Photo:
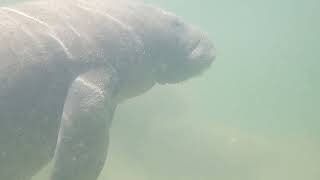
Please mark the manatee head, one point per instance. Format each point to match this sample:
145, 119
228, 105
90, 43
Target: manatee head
174, 50
177, 50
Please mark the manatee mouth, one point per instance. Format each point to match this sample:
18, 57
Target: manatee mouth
202, 52
201, 56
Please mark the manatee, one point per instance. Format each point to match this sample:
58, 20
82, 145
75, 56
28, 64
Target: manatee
65, 66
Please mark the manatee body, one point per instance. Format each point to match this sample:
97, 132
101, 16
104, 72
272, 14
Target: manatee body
66, 65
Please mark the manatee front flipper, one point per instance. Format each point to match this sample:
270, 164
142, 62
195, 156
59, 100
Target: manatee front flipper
83, 139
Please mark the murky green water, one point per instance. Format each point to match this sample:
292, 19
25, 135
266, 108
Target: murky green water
254, 116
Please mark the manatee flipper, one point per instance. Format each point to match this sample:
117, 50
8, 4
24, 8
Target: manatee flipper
83, 138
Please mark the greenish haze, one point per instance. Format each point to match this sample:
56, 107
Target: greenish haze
253, 116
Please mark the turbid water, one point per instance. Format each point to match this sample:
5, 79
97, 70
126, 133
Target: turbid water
253, 116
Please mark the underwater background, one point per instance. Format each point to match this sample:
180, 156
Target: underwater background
255, 115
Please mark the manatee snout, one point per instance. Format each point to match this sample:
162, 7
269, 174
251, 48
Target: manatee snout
197, 55
202, 53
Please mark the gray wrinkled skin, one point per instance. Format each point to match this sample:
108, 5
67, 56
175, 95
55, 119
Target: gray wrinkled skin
64, 67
